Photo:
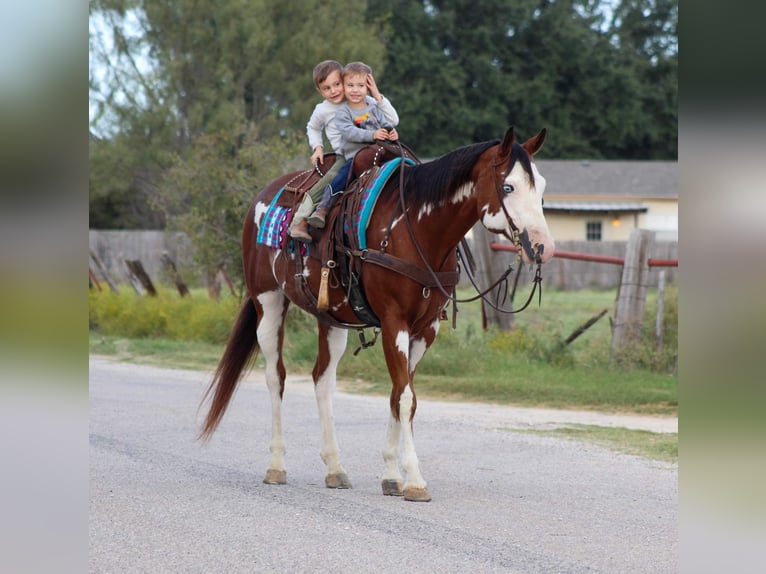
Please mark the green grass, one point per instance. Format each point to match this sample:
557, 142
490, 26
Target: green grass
528, 366
656, 446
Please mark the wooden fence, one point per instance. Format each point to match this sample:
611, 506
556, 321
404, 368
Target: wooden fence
114, 247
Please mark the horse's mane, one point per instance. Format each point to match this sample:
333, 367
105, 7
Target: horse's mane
437, 180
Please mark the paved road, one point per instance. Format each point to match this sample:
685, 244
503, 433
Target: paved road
503, 500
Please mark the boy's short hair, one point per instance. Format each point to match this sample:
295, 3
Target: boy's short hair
356, 68
324, 69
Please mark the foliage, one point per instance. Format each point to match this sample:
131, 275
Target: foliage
193, 318
526, 366
195, 106
164, 74
462, 70
206, 192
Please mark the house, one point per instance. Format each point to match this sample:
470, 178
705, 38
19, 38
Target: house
604, 200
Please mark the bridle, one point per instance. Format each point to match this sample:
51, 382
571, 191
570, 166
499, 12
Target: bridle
519, 239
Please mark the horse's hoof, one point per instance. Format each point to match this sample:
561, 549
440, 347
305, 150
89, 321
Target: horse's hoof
392, 487
275, 477
416, 494
339, 480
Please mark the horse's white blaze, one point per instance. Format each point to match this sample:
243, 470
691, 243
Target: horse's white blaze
268, 340
524, 205
324, 389
463, 192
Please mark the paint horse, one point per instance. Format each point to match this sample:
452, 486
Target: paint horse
418, 228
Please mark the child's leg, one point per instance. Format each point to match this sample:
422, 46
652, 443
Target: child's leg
297, 227
331, 191
318, 188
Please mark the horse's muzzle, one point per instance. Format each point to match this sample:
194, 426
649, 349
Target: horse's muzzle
526, 245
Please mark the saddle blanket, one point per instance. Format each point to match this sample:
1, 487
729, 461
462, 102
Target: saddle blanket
273, 228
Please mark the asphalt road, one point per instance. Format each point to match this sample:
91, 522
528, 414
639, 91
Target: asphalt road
503, 500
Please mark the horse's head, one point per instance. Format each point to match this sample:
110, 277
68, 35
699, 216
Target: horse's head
512, 203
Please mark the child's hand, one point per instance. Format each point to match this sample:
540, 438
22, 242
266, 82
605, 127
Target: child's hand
372, 87
317, 156
381, 134
393, 135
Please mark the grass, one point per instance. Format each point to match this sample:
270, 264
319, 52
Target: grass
529, 366
655, 446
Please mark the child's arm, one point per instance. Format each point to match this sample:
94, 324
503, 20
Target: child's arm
314, 132
384, 104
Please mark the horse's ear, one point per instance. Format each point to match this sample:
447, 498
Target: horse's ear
533, 144
505, 147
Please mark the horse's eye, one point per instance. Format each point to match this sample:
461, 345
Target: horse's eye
508, 188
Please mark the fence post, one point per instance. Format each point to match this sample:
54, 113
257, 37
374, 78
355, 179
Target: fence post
660, 320
631, 299
489, 266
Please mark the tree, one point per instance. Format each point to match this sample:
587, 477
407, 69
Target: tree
207, 191
169, 71
460, 71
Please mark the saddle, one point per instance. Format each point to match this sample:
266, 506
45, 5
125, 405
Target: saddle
303, 181
345, 250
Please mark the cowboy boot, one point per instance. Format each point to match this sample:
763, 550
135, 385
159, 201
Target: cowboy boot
299, 230
317, 219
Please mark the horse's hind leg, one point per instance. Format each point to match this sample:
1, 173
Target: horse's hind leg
332, 344
273, 306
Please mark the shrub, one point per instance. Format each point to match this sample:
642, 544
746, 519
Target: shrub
192, 318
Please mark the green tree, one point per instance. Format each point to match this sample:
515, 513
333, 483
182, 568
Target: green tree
207, 190
462, 70
646, 33
167, 71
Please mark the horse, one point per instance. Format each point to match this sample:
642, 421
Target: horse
407, 279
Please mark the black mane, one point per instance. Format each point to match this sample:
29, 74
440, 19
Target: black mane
437, 180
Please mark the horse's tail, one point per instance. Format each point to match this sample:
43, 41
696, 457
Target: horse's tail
241, 351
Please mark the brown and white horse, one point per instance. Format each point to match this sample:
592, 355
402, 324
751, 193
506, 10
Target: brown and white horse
494, 182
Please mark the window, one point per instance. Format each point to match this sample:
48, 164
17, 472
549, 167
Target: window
593, 231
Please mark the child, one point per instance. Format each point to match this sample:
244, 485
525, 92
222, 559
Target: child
328, 81
360, 122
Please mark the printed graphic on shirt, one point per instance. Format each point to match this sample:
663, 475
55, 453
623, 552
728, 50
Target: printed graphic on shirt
365, 122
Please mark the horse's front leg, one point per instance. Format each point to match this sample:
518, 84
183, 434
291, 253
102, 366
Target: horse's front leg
402, 355
332, 345
273, 306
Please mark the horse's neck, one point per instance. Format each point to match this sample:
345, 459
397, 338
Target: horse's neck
439, 228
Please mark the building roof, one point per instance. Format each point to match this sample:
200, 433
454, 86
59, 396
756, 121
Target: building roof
588, 180
596, 206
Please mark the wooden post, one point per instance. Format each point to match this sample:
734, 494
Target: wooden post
631, 301
489, 266
139, 276
170, 265
104, 272
93, 279
213, 284
222, 271
659, 323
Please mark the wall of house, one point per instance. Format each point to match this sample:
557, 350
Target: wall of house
661, 217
